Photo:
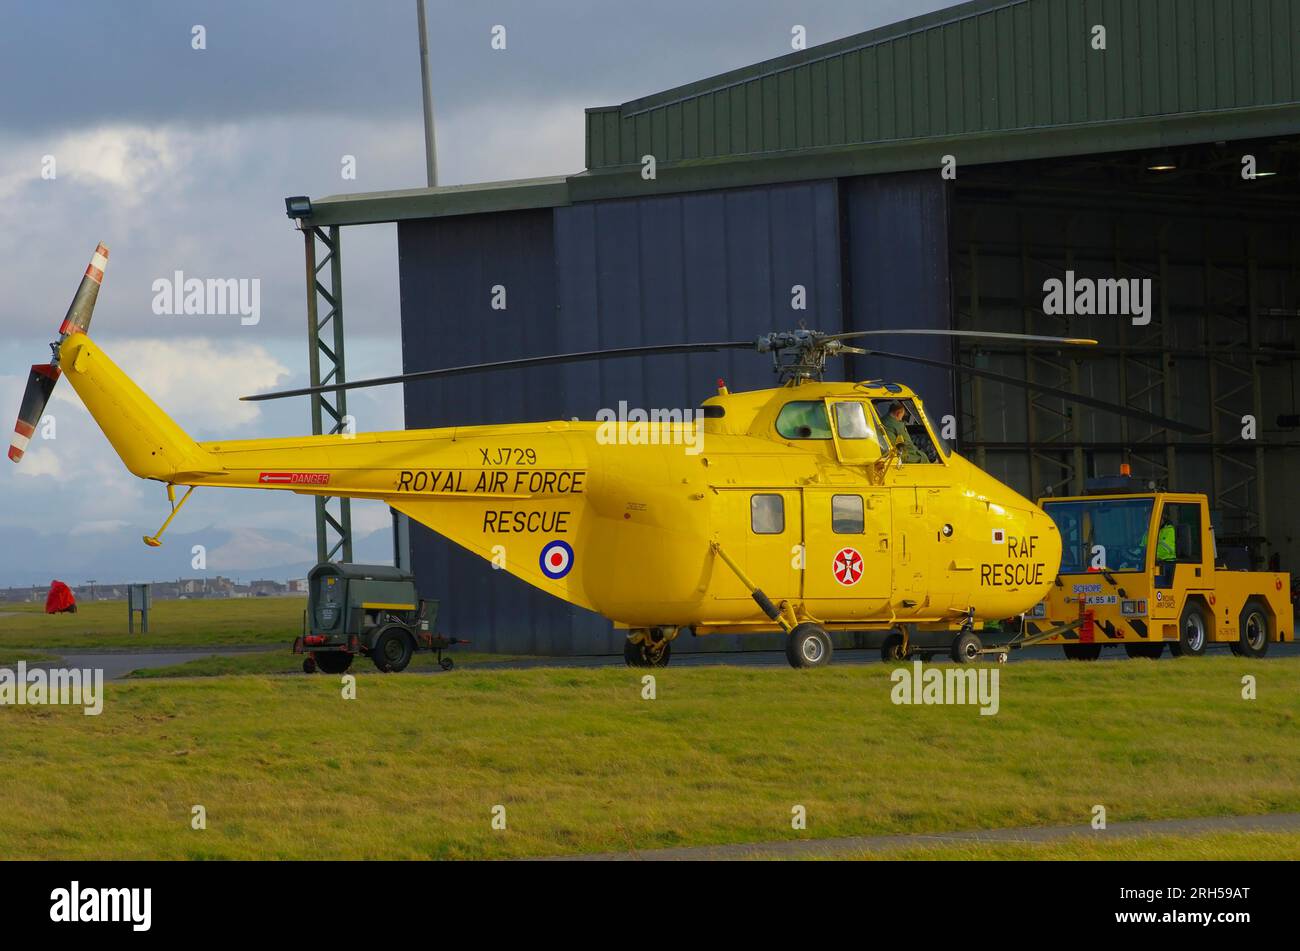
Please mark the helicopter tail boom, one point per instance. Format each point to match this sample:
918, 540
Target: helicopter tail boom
148, 441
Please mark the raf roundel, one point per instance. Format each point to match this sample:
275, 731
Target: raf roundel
556, 560
847, 566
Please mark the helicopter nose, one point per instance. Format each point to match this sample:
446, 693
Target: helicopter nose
1049, 550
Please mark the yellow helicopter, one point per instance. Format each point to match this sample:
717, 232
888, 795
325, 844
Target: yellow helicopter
806, 508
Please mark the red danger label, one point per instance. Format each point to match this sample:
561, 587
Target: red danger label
294, 478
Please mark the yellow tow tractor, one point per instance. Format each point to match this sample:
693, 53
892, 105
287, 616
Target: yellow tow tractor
1141, 569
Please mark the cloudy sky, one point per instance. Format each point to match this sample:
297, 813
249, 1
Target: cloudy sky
179, 159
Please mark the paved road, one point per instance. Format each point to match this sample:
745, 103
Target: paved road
856, 845
777, 658
116, 664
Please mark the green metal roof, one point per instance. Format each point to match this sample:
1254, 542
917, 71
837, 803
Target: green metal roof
981, 67
987, 81
478, 198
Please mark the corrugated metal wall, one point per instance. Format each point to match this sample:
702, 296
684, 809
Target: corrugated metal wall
897, 267
447, 268
980, 67
699, 267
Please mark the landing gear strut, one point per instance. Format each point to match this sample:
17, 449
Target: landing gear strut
648, 647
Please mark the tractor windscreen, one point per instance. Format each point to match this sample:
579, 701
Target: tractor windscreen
1097, 534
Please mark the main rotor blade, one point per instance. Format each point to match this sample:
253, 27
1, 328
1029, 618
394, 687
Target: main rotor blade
1043, 388
519, 364
978, 334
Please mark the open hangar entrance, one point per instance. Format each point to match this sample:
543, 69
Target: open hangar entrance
1222, 253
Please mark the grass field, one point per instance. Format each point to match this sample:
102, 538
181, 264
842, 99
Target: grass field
413, 767
102, 624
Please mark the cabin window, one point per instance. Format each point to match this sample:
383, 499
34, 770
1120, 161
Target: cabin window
847, 517
804, 420
1185, 518
851, 421
767, 514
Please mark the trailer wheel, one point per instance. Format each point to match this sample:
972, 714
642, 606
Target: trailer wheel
1145, 651
966, 648
1081, 651
333, 662
1193, 632
1255, 630
808, 646
891, 652
393, 649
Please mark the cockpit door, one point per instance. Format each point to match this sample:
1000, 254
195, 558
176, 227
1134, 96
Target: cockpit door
853, 427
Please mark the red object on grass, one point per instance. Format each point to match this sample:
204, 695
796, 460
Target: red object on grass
60, 599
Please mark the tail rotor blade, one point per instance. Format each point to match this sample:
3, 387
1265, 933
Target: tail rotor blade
43, 376
40, 384
83, 304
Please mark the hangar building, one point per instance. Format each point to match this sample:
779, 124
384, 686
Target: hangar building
825, 168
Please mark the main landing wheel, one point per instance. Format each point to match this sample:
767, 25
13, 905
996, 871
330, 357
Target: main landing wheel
891, 652
649, 651
966, 648
808, 646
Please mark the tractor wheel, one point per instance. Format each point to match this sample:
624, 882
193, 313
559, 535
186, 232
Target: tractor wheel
966, 648
1255, 630
393, 649
808, 646
1193, 632
1082, 651
1145, 651
309, 664
647, 653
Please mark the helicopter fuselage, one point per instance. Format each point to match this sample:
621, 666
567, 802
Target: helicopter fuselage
670, 524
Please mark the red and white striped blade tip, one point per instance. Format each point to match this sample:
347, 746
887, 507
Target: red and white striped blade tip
98, 261
75, 322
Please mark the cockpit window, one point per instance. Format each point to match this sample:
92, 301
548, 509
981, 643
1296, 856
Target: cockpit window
804, 420
903, 423
851, 421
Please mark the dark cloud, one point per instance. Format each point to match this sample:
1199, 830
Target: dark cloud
78, 63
